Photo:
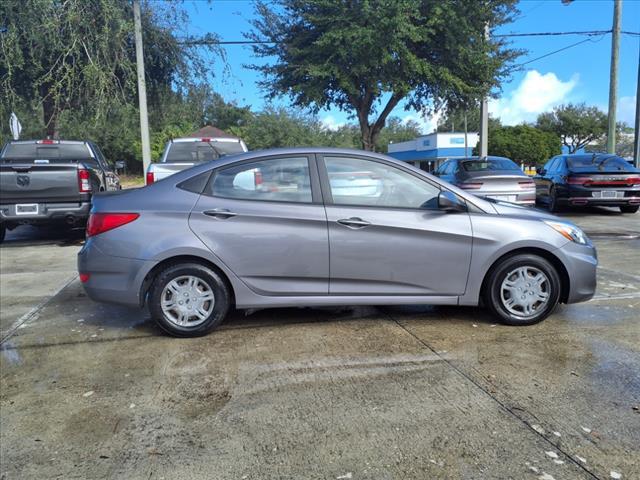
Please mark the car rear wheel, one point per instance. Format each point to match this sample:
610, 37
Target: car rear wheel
629, 208
188, 300
523, 289
553, 200
3, 232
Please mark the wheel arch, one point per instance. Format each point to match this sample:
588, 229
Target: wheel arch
179, 259
565, 281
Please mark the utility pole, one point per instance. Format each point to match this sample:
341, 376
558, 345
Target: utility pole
484, 115
613, 76
636, 141
142, 90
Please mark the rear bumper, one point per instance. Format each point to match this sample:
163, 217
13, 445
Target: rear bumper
519, 197
112, 279
611, 202
47, 212
581, 262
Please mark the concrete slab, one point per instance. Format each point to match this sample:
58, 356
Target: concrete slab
96, 391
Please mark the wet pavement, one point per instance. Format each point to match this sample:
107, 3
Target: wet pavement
96, 391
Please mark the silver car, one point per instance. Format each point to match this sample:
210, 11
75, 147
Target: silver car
497, 178
206, 239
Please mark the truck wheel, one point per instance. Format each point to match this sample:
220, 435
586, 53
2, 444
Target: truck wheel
523, 289
189, 300
629, 208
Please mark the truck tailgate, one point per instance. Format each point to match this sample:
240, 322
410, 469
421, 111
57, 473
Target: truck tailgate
29, 182
164, 170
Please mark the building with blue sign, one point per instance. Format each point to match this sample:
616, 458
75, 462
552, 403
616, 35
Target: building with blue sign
429, 151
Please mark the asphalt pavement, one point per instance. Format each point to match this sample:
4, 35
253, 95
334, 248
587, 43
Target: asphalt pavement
97, 391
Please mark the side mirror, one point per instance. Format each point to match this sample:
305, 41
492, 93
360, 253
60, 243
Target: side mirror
542, 171
449, 202
119, 165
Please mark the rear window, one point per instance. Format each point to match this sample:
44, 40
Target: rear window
35, 151
489, 165
603, 164
195, 152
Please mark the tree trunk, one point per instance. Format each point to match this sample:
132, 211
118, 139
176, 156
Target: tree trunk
368, 142
50, 114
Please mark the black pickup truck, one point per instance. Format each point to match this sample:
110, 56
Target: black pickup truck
51, 181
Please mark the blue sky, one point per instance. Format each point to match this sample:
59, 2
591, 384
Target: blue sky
579, 74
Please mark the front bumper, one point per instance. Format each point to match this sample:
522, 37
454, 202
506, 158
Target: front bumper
112, 279
581, 262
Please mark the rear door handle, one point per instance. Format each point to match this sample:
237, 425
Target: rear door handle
354, 222
221, 213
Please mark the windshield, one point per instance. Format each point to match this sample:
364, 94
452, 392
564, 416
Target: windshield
36, 151
490, 164
604, 164
196, 152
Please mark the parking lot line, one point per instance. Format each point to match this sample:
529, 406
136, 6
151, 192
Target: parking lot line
31, 313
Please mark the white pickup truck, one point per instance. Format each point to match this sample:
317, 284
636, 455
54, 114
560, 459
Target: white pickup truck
182, 153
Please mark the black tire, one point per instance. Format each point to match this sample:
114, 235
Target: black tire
221, 294
553, 200
3, 232
492, 294
629, 208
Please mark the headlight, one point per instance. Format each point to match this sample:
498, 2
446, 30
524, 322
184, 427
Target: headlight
570, 232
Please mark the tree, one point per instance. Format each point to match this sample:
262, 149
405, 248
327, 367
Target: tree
396, 131
577, 125
453, 120
523, 144
367, 56
80, 54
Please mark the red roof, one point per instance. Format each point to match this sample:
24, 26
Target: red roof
211, 132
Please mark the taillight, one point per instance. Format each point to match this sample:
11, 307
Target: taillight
103, 222
150, 178
470, 185
84, 277
84, 180
579, 180
634, 180
257, 177
526, 183
47, 141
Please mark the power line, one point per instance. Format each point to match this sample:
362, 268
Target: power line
193, 41
555, 51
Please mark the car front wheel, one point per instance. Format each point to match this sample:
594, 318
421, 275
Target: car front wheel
188, 300
523, 289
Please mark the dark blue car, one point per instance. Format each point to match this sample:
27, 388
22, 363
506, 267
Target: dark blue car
589, 179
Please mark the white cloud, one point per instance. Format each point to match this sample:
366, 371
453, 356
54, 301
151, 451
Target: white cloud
330, 123
627, 110
427, 124
535, 94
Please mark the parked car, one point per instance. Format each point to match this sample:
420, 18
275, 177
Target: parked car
182, 153
49, 181
195, 244
589, 179
493, 177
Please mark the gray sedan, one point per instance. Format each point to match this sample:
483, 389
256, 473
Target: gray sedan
315, 227
497, 178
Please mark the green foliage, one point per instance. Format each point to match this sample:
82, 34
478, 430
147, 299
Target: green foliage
453, 120
523, 144
80, 55
397, 131
577, 125
366, 56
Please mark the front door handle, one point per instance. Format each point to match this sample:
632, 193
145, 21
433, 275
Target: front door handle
221, 213
354, 222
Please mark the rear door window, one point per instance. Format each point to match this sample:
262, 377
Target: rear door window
278, 180
197, 152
